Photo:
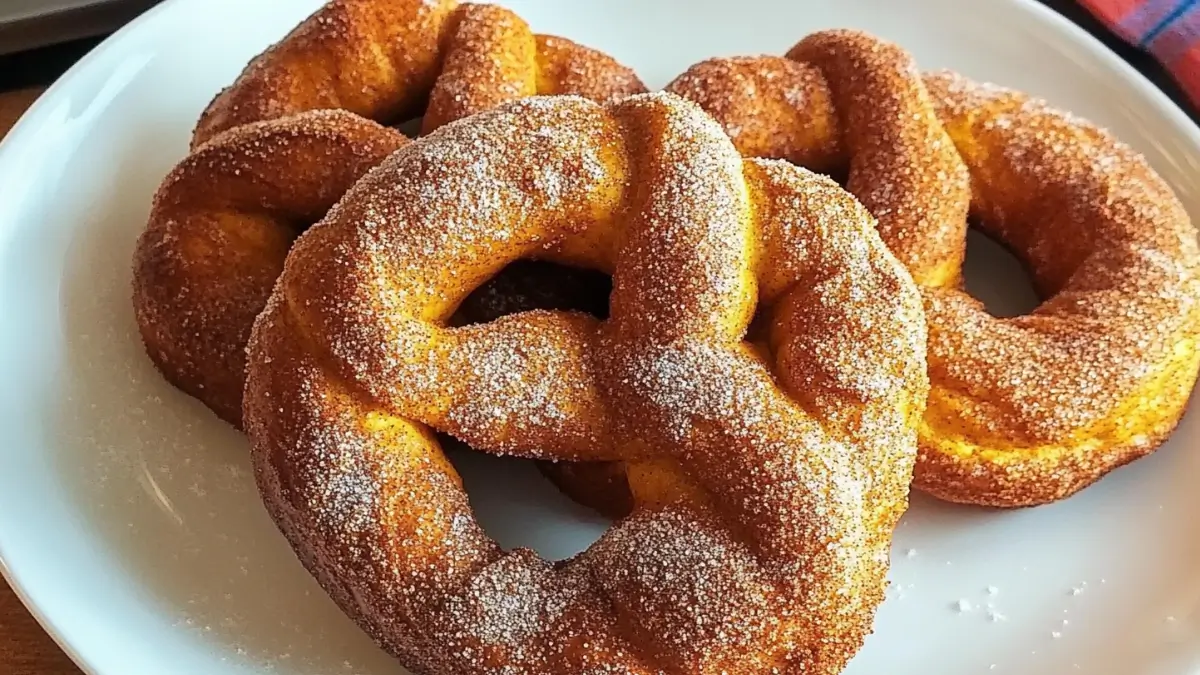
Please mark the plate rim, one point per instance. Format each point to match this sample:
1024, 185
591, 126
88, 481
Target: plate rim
22, 133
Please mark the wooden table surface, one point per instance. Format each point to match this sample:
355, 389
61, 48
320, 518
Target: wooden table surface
25, 649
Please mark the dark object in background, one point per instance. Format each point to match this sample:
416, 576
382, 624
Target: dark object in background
39, 39
29, 24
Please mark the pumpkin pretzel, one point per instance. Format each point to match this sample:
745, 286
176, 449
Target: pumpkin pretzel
767, 479
1022, 410
225, 218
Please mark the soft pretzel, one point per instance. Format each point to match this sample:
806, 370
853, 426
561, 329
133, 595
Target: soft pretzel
1022, 410
393, 60
224, 219
767, 479
220, 227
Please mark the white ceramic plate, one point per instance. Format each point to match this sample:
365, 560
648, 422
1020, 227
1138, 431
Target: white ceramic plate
128, 518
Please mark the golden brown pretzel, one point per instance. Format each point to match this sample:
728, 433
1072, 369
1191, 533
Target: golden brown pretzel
767, 481
220, 227
224, 219
392, 60
1022, 410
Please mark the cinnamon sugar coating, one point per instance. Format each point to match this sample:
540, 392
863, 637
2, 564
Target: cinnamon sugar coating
766, 480
393, 60
222, 224
1022, 410
224, 219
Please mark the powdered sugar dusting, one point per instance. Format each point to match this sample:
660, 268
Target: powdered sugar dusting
774, 547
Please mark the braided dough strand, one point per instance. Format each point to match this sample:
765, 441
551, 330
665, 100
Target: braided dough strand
220, 227
391, 60
225, 218
1023, 410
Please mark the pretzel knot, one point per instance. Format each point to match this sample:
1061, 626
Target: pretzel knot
768, 477
391, 60
1026, 409
275, 150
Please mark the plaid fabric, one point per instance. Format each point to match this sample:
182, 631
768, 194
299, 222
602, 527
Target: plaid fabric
1168, 29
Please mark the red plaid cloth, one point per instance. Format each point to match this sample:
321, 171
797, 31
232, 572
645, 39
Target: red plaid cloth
1168, 29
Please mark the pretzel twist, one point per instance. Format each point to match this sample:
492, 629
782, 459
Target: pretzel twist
1027, 409
767, 479
220, 227
268, 161
392, 60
